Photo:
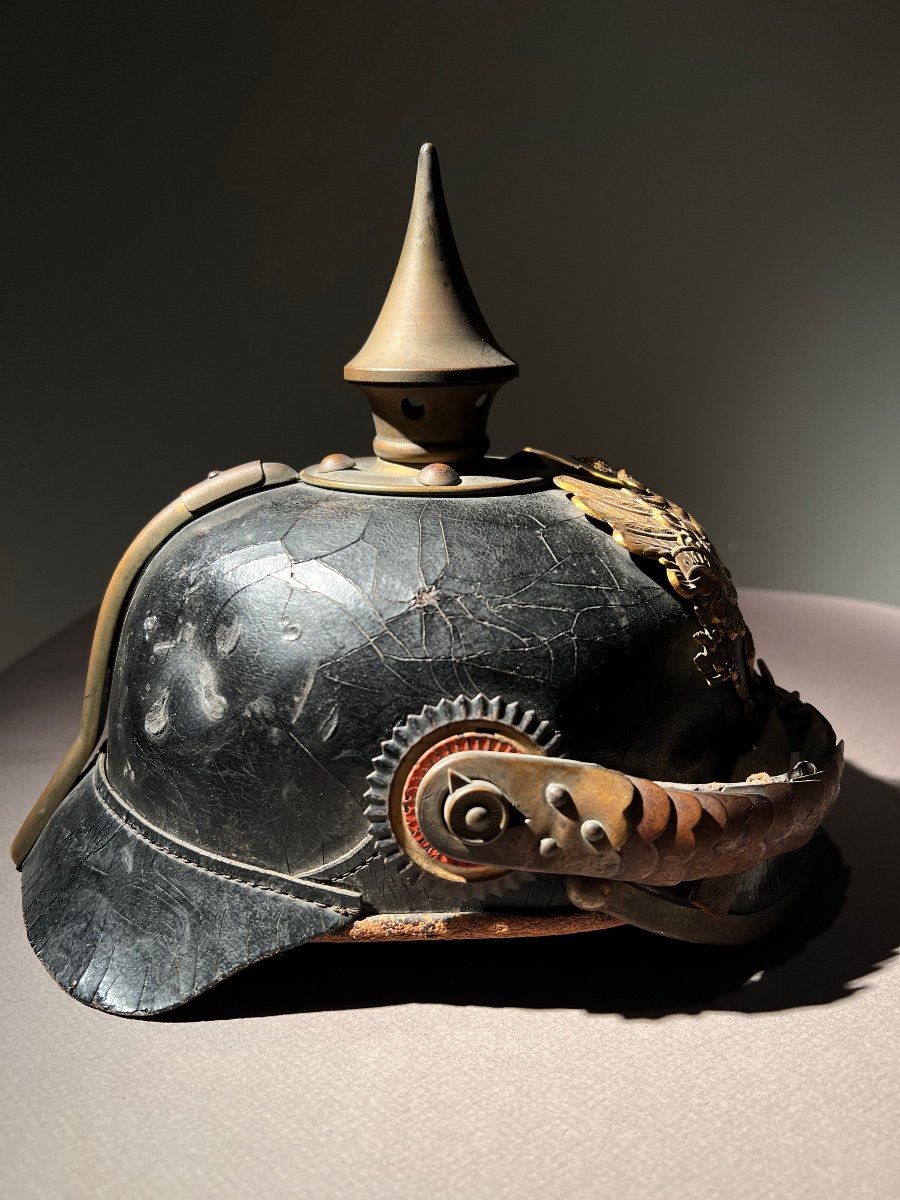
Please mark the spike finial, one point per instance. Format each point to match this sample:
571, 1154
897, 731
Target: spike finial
430, 329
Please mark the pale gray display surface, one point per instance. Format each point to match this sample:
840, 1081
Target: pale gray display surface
601, 1065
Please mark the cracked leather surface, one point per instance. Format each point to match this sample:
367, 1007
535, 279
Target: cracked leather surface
272, 645
128, 928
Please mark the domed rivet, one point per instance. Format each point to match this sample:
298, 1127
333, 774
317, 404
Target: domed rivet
213, 474
477, 819
547, 847
557, 796
336, 462
592, 831
437, 475
476, 813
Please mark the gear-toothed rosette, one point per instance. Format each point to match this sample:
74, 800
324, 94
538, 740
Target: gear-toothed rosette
416, 744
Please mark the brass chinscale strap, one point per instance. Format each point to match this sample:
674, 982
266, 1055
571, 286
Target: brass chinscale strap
579, 818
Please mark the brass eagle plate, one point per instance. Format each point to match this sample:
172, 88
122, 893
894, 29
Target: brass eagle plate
648, 524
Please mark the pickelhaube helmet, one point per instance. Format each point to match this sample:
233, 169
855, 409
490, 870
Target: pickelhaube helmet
427, 693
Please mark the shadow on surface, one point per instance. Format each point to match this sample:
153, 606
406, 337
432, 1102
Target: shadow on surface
841, 935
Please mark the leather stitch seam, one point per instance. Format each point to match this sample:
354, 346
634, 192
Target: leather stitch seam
123, 819
359, 866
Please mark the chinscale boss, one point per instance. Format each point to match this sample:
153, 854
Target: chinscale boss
422, 694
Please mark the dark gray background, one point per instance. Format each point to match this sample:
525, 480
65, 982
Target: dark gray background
681, 218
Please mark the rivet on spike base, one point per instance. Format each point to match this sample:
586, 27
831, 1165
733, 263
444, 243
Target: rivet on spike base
337, 462
438, 475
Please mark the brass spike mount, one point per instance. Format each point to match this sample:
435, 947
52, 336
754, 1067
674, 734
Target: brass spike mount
431, 365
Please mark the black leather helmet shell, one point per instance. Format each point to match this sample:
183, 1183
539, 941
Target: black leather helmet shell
268, 650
